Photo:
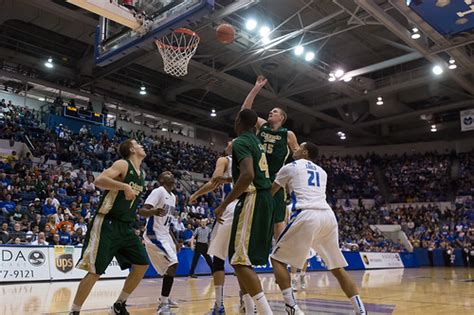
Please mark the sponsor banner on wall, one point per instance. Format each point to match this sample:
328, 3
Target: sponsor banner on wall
381, 260
467, 120
63, 264
21, 263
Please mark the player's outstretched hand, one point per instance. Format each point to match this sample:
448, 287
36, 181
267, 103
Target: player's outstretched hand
261, 81
218, 212
192, 199
129, 192
159, 212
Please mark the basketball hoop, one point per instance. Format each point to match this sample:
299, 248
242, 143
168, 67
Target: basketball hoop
177, 48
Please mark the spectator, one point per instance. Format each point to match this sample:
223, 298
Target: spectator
40, 240
49, 208
64, 236
89, 186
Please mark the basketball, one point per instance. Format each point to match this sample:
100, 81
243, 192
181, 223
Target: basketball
225, 34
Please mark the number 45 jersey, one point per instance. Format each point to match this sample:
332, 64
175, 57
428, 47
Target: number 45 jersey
307, 184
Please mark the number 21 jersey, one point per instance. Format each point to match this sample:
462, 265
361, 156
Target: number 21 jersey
307, 184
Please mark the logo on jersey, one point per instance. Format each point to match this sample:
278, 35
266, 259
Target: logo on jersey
136, 188
268, 137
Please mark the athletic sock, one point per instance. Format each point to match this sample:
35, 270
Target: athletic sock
219, 289
249, 304
262, 304
359, 307
289, 297
164, 299
295, 276
76, 308
302, 273
123, 296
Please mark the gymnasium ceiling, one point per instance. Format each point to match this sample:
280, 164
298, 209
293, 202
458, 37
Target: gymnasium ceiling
371, 39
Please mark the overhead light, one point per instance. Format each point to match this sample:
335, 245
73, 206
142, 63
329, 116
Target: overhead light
251, 24
142, 90
340, 133
437, 70
299, 50
49, 63
347, 79
309, 56
343, 137
164, 129
433, 128
339, 73
41, 99
415, 33
264, 31
213, 113
452, 64
379, 101
332, 77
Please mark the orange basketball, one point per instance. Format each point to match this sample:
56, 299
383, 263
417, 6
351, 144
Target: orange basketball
225, 34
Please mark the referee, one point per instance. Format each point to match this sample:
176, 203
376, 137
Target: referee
201, 237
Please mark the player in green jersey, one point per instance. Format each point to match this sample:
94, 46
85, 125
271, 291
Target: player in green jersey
278, 142
252, 225
110, 232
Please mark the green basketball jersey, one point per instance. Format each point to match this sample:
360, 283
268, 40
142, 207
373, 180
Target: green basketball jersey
275, 143
248, 145
113, 202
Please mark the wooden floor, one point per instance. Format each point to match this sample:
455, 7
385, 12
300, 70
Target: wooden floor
399, 291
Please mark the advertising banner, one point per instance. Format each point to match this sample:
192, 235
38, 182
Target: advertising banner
467, 120
22, 263
381, 260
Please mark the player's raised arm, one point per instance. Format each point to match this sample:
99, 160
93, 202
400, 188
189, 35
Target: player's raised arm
282, 178
108, 179
292, 141
248, 103
221, 166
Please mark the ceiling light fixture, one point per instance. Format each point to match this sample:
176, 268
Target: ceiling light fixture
339, 73
251, 24
415, 33
264, 31
437, 70
49, 64
332, 77
298, 50
379, 101
213, 113
452, 64
309, 56
142, 90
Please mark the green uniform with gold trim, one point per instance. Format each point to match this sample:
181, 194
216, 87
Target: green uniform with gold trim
275, 143
110, 233
252, 227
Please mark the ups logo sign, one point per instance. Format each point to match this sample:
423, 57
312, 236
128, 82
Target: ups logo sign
64, 263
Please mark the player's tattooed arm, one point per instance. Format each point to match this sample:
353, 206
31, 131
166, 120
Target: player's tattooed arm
221, 165
292, 141
246, 177
148, 211
259, 84
111, 179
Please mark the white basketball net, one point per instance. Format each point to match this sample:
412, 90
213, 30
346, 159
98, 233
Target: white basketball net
177, 48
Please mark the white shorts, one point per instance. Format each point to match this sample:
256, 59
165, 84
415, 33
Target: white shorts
162, 253
308, 229
220, 236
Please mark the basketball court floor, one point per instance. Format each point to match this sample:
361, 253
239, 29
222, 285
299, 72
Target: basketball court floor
396, 291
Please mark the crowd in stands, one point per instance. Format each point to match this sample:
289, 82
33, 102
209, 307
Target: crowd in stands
51, 203
418, 177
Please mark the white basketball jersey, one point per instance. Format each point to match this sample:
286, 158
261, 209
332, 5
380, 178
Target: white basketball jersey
155, 225
227, 188
307, 183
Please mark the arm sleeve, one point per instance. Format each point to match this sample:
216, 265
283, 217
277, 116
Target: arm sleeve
154, 198
284, 175
240, 150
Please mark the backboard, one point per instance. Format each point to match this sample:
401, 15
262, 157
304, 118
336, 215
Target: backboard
124, 29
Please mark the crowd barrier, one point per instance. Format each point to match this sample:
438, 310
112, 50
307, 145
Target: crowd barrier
47, 263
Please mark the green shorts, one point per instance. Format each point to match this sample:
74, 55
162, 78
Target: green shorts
107, 238
252, 229
279, 205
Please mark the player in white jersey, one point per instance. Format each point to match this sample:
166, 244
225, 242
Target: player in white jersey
312, 220
160, 243
220, 236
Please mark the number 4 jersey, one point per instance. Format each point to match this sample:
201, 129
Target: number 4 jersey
160, 198
307, 184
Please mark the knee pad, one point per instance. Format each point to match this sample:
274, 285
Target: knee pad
171, 271
217, 264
